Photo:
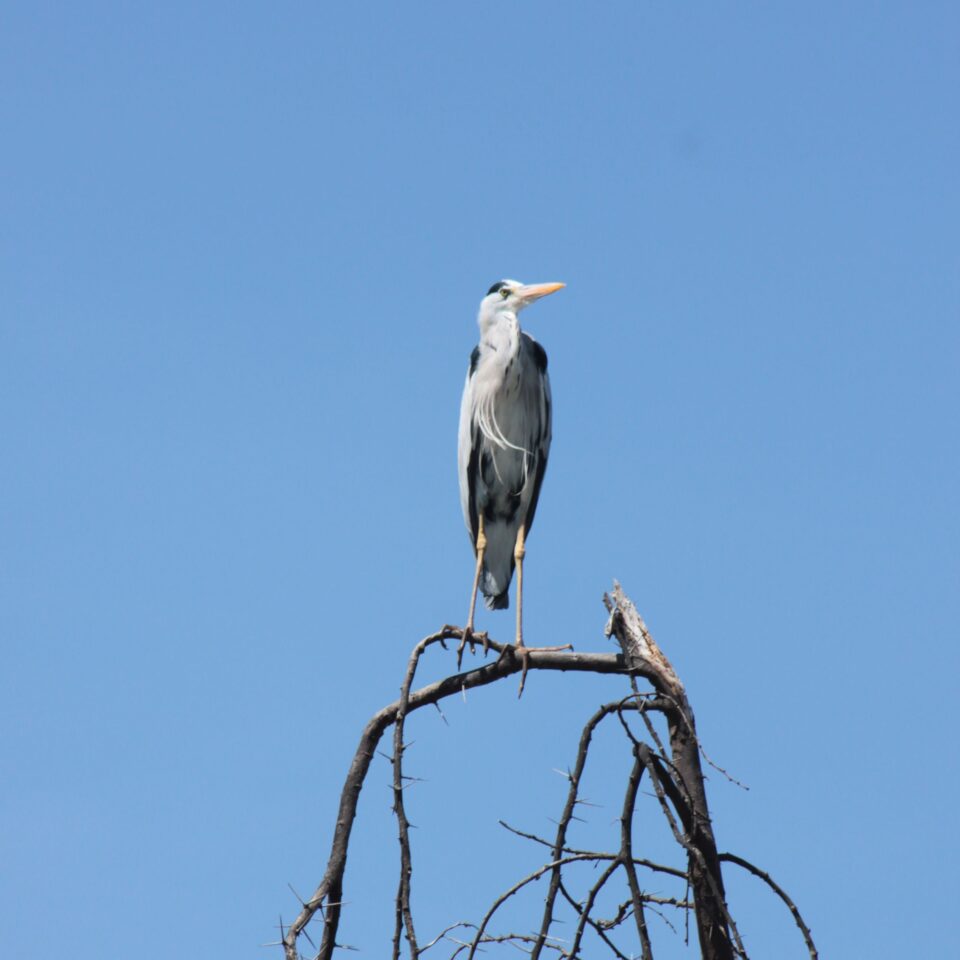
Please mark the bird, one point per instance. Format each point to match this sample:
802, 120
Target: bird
503, 446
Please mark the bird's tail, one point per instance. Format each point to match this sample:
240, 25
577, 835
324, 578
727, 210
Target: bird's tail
495, 581
499, 601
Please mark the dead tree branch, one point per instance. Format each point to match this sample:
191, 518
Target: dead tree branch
671, 764
780, 892
329, 892
626, 857
703, 865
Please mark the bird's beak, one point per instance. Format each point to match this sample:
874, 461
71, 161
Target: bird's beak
534, 291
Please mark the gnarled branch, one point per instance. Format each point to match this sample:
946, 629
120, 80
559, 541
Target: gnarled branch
673, 766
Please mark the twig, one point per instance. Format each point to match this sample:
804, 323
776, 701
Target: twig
564, 822
595, 925
720, 770
404, 915
626, 856
588, 905
442, 935
595, 855
519, 885
780, 892
512, 938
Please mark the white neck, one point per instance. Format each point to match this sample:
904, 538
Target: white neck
500, 333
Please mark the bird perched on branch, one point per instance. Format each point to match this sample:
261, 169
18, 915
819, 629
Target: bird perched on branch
503, 444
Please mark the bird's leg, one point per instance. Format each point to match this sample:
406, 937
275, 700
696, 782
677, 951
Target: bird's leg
519, 552
521, 649
481, 546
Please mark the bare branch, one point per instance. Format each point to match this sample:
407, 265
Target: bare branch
588, 906
404, 915
330, 889
519, 885
780, 892
442, 935
642, 653
596, 855
664, 786
595, 925
626, 856
562, 826
675, 774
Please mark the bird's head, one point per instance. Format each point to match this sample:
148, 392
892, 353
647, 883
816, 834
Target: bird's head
506, 298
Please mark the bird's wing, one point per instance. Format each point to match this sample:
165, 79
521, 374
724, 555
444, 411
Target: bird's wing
543, 434
468, 451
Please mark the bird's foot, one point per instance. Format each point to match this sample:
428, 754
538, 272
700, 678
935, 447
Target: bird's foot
522, 651
523, 654
469, 636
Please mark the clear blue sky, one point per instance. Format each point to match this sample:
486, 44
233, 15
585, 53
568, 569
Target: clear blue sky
242, 250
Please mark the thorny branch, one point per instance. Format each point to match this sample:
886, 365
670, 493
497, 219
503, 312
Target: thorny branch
780, 892
404, 913
626, 857
672, 766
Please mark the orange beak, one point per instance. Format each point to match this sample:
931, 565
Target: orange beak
534, 291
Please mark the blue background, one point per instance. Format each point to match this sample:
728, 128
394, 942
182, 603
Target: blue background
242, 251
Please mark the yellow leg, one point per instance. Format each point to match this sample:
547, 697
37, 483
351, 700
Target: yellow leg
519, 552
520, 649
481, 546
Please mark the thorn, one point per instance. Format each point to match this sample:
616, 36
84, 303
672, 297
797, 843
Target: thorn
303, 902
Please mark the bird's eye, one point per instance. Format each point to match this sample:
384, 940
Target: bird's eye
504, 292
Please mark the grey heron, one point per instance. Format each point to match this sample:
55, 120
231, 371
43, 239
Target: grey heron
503, 445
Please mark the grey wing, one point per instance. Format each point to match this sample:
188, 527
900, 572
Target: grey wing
544, 429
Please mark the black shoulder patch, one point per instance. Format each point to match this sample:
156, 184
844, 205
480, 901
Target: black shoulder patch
538, 353
474, 360
496, 288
